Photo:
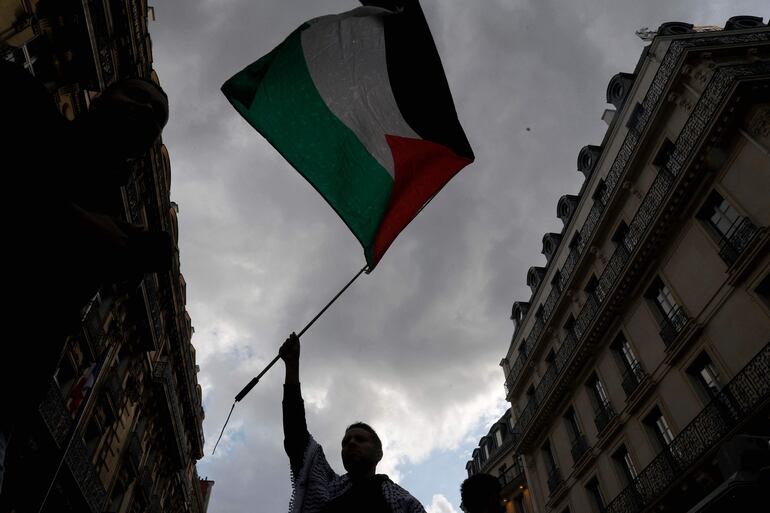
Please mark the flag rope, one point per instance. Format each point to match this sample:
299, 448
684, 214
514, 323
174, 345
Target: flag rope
255, 380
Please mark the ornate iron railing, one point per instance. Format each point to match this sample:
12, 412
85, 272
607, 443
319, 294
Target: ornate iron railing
672, 325
736, 403
551, 300
152, 299
568, 267
59, 423
737, 239
162, 374
632, 377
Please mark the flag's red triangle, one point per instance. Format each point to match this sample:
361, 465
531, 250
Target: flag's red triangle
421, 170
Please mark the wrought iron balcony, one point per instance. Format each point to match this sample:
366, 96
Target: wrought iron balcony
672, 325
730, 408
579, 448
554, 479
162, 375
59, 423
632, 377
604, 414
737, 239
151, 297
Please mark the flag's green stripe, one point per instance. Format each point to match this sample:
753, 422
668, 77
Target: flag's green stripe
288, 111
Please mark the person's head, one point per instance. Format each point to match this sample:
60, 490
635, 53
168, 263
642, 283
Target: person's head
361, 450
128, 116
480, 493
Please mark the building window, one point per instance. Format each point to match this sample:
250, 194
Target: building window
658, 426
601, 403
624, 464
499, 437
554, 476
705, 374
576, 438
595, 496
732, 231
486, 452
671, 316
632, 371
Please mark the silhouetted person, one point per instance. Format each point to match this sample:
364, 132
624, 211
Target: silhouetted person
480, 493
316, 487
63, 234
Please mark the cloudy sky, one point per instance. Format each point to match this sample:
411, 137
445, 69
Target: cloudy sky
413, 348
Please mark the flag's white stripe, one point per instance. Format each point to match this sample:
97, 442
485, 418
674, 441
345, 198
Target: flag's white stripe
345, 55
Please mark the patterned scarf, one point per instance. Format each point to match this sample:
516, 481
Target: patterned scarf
317, 484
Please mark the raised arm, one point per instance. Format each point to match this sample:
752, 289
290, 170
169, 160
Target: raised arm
295, 431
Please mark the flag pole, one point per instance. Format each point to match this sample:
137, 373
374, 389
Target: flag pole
256, 379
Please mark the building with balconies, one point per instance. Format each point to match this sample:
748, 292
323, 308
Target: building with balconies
494, 456
639, 369
120, 428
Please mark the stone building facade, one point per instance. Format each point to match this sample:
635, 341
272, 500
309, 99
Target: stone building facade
639, 369
121, 425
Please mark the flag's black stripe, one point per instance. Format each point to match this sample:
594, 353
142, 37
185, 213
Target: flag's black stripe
418, 81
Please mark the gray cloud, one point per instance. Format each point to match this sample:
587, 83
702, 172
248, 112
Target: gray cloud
413, 348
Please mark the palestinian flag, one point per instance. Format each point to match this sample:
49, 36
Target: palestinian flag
359, 104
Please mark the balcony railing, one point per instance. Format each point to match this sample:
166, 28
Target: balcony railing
554, 479
673, 324
579, 448
737, 239
735, 404
632, 377
162, 374
59, 423
604, 414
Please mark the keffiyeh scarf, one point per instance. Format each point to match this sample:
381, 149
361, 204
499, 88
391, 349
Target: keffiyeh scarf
316, 484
